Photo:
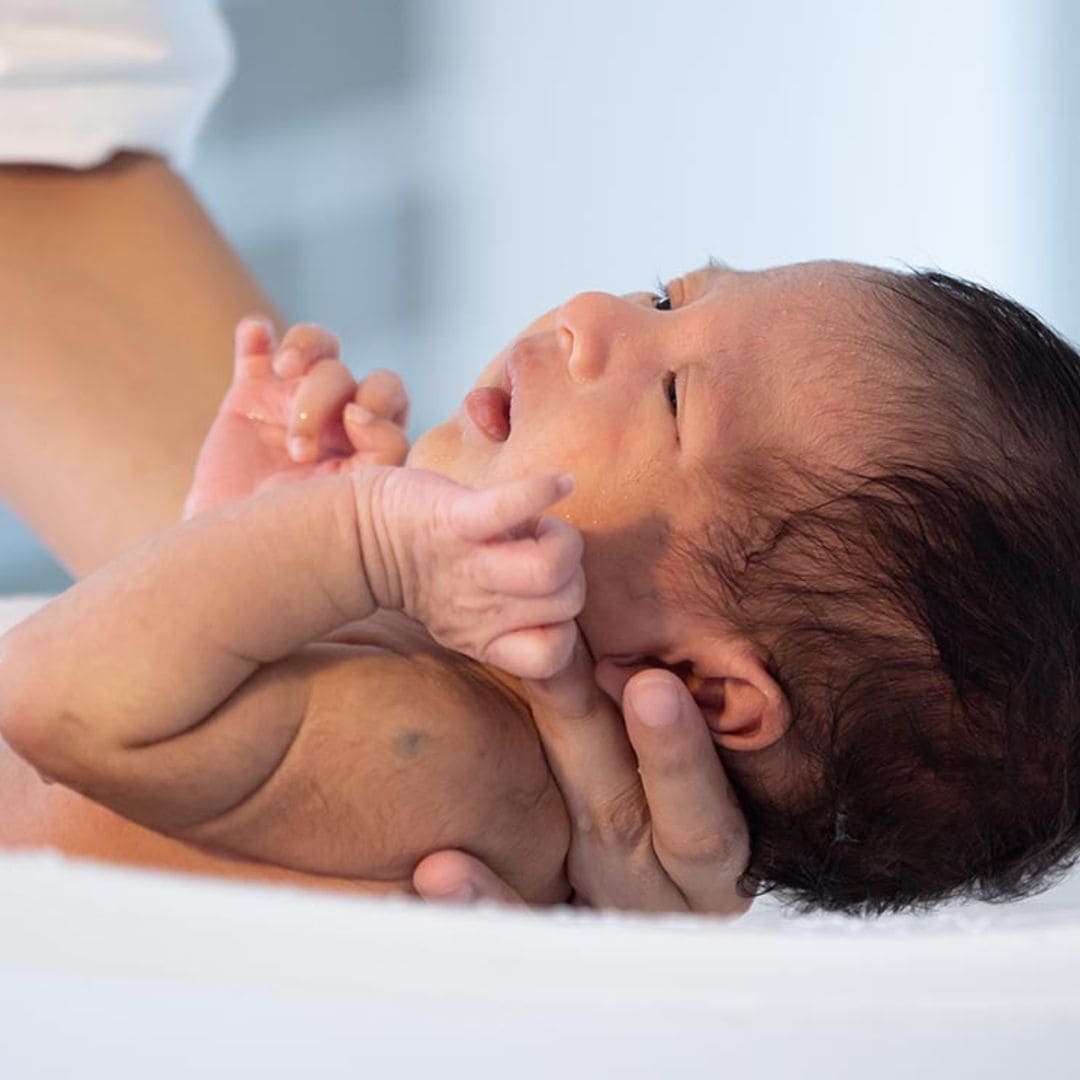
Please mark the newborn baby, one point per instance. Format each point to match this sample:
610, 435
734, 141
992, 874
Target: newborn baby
839, 502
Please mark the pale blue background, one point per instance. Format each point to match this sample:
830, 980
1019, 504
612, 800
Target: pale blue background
424, 178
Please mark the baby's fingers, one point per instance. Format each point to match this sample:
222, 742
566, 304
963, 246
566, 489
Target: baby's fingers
536, 567
501, 510
318, 402
303, 347
254, 346
383, 394
538, 652
376, 441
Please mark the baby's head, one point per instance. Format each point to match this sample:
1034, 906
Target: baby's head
844, 504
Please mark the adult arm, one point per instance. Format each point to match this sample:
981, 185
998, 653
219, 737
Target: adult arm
118, 298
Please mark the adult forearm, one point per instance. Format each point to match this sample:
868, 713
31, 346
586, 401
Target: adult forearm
118, 299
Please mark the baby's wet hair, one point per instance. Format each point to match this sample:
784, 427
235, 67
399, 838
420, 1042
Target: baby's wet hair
922, 615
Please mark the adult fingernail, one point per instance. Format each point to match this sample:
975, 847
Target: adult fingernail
462, 893
357, 414
656, 702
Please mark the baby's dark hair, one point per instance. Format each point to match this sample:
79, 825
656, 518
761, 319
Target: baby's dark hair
923, 618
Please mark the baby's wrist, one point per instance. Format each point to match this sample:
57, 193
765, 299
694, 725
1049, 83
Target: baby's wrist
379, 534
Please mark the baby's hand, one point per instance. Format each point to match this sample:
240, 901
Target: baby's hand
482, 570
295, 413
330, 413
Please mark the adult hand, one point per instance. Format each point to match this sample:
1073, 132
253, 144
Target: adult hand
655, 823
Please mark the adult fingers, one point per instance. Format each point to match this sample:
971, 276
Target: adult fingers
456, 876
699, 833
586, 746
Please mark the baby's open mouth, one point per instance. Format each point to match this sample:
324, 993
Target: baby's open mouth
489, 409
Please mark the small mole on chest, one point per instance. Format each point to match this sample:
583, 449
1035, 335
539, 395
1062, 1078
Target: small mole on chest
410, 743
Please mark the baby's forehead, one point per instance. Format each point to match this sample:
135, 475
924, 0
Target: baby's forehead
817, 273
809, 308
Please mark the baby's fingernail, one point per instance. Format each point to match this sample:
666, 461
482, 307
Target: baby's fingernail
298, 447
243, 328
287, 361
357, 414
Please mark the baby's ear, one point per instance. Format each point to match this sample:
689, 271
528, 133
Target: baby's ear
739, 715
742, 703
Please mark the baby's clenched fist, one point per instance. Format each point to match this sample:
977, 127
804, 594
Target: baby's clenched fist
486, 572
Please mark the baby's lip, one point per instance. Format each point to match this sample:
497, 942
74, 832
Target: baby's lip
508, 382
488, 407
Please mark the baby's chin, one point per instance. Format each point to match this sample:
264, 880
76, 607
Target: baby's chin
434, 450
441, 449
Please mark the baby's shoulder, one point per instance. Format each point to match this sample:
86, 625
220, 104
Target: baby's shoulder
418, 658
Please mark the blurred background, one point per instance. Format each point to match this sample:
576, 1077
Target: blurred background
425, 177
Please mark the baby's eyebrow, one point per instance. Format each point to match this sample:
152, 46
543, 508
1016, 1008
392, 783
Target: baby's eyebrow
715, 268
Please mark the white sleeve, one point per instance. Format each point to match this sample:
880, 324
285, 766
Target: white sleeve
82, 79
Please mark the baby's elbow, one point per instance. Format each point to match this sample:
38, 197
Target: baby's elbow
32, 723
20, 704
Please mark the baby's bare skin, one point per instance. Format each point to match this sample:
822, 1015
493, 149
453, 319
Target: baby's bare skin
259, 644
353, 756
36, 815
108, 475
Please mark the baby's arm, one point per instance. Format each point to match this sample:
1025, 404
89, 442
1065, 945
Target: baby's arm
111, 688
144, 686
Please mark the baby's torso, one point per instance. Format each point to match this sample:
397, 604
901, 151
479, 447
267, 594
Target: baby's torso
34, 814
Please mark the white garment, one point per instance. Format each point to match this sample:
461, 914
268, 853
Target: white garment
82, 79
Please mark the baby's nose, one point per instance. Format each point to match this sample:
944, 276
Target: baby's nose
587, 325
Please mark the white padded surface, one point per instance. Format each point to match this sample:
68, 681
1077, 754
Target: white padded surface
114, 972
